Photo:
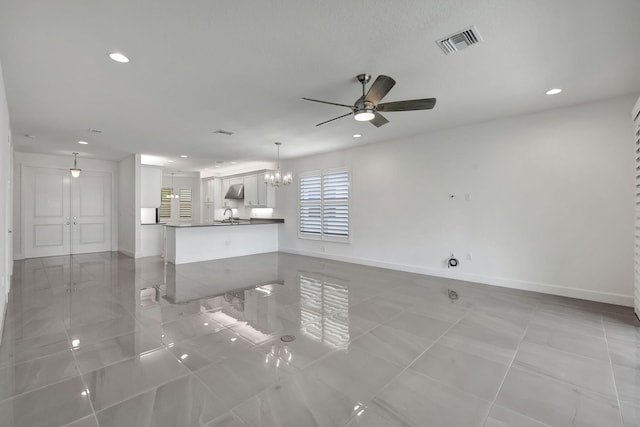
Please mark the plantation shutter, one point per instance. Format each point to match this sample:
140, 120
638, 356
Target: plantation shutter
335, 216
636, 117
311, 205
165, 203
185, 202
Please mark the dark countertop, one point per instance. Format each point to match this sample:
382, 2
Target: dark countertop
252, 221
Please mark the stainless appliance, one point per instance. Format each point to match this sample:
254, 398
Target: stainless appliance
236, 191
148, 215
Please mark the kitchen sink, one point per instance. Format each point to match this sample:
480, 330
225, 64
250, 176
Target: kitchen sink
235, 221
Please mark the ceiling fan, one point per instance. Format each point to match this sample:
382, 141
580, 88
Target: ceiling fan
367, 107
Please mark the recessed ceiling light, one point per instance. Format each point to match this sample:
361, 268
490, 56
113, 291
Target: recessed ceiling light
118, 57
554, 91
217, 166
170, 161
233, 163
184, 156
83, 142
356, 135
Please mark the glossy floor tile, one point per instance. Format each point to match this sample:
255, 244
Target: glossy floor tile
278, 340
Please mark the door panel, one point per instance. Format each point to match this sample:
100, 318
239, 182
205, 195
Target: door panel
91, 233
49, 235
46, 206
63, 215
91, 194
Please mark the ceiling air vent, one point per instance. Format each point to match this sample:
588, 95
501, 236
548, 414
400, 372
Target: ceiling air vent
460, 40
223, 132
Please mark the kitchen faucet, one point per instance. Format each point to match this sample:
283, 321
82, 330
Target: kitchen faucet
230, 216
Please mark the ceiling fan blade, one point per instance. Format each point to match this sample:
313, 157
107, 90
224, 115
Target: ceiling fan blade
336, 118
415, 104
379, 120
327, 102
379, 89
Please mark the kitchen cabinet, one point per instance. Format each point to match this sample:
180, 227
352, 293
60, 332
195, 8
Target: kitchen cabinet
257, 194
208, 213
208, 190
150, 186
251, 190
266, 193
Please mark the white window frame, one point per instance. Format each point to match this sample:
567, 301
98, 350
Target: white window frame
321, 173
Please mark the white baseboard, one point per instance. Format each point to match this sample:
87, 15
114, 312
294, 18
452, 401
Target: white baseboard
544, 288
127, 252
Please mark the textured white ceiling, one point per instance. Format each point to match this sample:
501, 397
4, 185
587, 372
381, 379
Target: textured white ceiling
203, 65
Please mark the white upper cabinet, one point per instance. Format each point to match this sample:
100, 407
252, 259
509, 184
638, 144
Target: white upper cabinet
150, 186
257, 194
208, 190
251, 190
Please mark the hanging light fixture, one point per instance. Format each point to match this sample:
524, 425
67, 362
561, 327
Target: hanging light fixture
75, 170
173, 194
276, 179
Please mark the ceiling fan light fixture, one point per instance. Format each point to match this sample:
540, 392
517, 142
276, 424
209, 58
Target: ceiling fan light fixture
364, 116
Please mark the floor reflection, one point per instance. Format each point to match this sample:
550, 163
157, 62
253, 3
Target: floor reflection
324, 312
281, 339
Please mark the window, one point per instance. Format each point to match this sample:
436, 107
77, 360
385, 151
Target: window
185, 203
165, 203
324, 205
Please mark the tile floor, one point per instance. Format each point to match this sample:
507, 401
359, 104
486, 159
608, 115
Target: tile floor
105, 340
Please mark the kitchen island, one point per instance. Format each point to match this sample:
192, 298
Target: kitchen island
193, 242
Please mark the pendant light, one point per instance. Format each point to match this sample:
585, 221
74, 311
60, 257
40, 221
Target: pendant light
276, 179
172, 195
75, 170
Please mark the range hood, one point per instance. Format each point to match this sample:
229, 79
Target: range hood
236, 191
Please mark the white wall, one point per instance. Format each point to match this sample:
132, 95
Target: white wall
6, 206
551, 202
129, 205
63, 162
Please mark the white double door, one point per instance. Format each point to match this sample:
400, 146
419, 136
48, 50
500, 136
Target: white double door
62, 215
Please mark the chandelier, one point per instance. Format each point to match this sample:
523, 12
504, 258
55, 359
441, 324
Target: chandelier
276, 179
173, 194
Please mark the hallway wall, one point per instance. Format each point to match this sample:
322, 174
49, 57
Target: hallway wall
6, 151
